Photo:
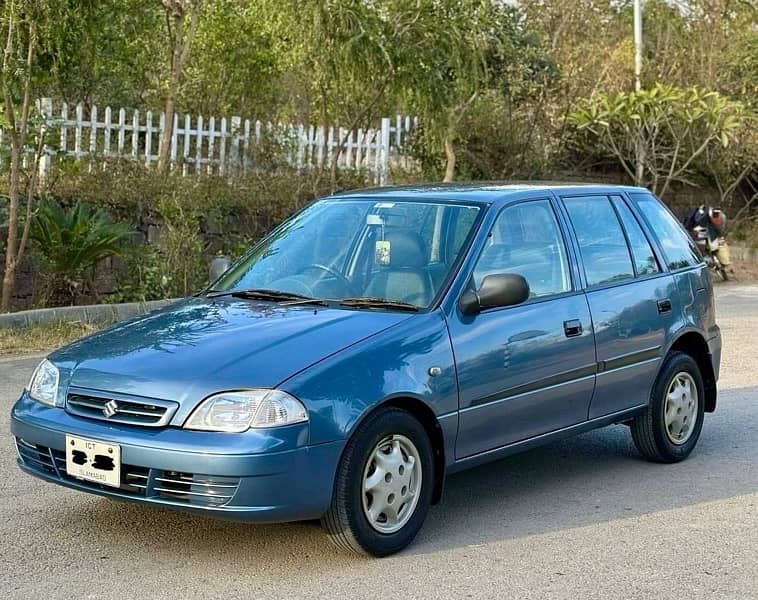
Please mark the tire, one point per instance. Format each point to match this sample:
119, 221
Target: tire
671, 440
347, 522
723, 272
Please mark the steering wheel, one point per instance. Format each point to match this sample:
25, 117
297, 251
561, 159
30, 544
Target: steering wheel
334, 273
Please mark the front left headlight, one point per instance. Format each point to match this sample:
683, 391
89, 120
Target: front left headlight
235, 412
43, 386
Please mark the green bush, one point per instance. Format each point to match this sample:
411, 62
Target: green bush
71, 242
142, 276
182, 222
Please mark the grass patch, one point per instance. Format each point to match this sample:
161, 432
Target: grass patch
38, 338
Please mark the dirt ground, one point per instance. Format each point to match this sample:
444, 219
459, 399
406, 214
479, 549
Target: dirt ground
744, 272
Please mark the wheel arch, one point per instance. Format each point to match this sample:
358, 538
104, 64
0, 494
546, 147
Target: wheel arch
693, 343
424, 414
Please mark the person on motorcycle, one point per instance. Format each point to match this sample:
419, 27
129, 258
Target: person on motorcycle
714, 221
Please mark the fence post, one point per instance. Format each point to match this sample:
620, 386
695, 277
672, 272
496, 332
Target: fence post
384, 165
45, 161
149, 136
236, 125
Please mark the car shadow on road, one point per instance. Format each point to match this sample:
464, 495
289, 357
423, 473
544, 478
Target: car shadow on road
593, 478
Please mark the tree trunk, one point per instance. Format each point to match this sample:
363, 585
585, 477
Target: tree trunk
168, 132
639, 170
449, 161
168, 107
181, 43
9, 275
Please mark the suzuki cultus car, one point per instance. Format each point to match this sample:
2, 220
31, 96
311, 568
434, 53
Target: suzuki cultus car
380, 340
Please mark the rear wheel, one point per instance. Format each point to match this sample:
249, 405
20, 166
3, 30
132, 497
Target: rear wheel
721, 269
383, 486
670, 427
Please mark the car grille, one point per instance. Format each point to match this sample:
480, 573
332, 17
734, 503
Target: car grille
36, 457
147, 412
195, 489
187, 488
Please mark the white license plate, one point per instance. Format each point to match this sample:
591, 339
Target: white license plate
93, 461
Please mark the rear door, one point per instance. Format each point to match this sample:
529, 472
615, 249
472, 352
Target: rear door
630, 298
528, 369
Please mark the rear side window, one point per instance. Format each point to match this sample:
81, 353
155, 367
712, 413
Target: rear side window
678, 248
602, 244
642, 253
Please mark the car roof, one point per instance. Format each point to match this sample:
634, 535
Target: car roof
484, 192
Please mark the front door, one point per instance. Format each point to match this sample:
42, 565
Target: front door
529, 369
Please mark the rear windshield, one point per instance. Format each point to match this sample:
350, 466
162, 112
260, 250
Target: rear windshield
677, 246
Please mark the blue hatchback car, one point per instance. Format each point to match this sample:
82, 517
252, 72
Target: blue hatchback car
376, 342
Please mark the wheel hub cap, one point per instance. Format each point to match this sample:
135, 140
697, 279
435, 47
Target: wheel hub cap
391, 483
681, 408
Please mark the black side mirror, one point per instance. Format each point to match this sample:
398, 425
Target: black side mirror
504, 289
218, 267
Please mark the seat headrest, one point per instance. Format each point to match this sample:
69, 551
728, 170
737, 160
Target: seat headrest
407, 249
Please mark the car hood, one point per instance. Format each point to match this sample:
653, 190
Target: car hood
200, 346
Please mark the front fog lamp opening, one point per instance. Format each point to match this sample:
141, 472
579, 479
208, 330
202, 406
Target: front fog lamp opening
43, 386
235, 412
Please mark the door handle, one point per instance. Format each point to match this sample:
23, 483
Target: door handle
572, 328
664, 306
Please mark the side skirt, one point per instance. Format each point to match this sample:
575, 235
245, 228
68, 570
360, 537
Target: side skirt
540, 440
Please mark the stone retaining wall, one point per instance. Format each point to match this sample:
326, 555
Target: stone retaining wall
98, 314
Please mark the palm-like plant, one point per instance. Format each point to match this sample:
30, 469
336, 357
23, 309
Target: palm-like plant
72, 241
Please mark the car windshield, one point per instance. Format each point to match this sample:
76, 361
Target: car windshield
359, 251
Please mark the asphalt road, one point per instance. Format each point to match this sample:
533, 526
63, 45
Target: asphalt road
583, 518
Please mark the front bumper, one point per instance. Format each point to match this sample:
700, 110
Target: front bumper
222, 475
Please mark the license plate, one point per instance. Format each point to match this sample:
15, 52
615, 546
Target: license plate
95, 461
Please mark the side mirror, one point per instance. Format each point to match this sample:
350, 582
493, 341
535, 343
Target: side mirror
504, 289
218, 267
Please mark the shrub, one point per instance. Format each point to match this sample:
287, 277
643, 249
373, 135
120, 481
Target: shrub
180, 223
71, 242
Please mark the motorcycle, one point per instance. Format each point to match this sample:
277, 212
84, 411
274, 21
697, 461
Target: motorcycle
705, 225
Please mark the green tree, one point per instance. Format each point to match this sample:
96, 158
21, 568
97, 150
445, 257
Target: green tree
107, 54
346, 56
182, 18
451, 68
30, 29
233, 68
672, 127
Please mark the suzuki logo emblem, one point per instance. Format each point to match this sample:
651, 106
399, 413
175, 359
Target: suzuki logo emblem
110, 408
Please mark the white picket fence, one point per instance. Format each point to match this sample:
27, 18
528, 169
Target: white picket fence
218, 145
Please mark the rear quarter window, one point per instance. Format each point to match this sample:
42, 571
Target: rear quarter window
644, 258
678, 249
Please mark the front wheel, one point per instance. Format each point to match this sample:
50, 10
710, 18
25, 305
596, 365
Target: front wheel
383, 486
670, 427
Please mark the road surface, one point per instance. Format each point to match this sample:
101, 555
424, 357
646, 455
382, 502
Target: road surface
583, 518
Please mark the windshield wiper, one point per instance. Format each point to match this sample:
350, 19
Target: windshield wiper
285, 298
367, 302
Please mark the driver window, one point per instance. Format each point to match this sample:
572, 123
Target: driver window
526, 240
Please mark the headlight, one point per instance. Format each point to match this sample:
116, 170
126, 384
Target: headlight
235, 412
43, 386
